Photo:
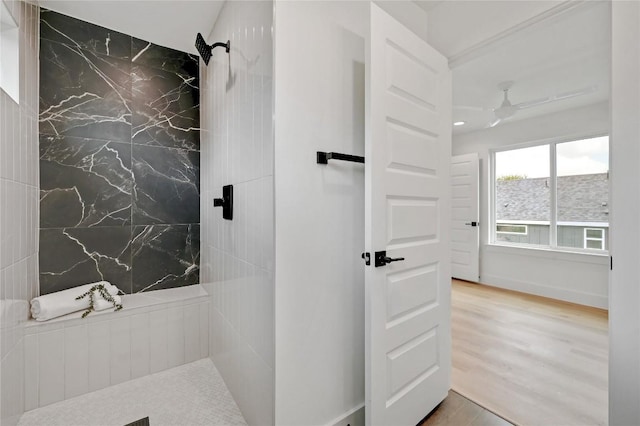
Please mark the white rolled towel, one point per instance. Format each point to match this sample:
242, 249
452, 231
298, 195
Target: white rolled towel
100, 304
64, 302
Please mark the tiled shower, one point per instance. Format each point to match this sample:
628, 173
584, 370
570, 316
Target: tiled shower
134, 143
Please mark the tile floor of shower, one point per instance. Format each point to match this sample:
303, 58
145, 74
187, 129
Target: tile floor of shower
191, 394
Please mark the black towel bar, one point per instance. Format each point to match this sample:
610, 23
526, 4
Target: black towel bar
324, 157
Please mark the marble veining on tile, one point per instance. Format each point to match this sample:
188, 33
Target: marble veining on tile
165, 256
119, 159
84, 182
76, 256
166, 185
159, 57
66, 30
166, 108
83, 93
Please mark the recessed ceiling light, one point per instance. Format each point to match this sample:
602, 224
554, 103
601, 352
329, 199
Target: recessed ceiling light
459, 123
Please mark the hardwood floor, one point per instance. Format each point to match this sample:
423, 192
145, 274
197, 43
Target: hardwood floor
456, 410
532, 360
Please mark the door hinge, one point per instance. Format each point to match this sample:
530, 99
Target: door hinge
367, 258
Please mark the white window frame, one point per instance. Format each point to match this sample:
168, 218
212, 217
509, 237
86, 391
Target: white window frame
553, 223
602, 240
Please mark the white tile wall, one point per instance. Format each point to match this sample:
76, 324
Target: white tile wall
175, 337
120, 350
99, 343
73, 357
191, 335
158, 346
237, 262
140, 345
18, 212
76, 361
50, 367
31, 375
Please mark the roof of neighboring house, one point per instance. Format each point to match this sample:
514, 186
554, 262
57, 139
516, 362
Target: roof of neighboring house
581, 198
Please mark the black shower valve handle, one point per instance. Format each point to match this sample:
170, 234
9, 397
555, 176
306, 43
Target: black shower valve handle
226, 202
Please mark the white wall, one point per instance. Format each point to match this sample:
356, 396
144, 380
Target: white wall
237, 256
319, 68
624, 291
18, 212
578, 278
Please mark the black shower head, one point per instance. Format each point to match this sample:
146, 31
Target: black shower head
205, 50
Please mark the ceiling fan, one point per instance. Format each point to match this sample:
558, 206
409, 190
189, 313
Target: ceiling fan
507, 109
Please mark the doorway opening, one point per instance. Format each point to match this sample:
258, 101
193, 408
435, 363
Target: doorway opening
532, 343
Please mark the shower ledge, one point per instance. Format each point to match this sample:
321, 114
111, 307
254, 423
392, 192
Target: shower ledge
131, 304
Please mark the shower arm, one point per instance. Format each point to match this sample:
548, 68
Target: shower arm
226, 45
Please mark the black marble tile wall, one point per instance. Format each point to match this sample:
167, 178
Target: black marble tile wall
119, 159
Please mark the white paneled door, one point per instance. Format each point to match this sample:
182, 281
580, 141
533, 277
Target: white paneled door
465, 227
407, 191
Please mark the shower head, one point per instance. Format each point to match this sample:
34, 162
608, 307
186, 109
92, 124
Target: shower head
205, 50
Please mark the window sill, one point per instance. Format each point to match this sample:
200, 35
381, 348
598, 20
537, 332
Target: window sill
550, 253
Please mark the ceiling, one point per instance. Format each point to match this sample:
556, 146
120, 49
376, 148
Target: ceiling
170, 23
428, 5
565, 53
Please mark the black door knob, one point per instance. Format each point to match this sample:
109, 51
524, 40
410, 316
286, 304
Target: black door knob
382, 258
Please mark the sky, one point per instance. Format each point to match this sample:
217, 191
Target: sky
585, 156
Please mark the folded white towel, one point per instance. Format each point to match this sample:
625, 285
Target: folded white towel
64, 302
100, 304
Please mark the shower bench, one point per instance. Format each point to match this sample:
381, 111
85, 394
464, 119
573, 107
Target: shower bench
69, 356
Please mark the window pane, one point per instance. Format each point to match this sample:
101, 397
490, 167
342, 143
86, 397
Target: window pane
523, 193
515, 229
594, 244
583, 192
594, 233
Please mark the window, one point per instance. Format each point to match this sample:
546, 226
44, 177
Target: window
553, 194
510, 228
594, 238
9, 60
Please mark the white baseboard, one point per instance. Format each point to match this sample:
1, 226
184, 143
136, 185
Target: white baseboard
577, 297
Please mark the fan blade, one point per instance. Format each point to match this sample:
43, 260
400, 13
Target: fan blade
529, 104
472, 108
558, 97
575, 93
494, 123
